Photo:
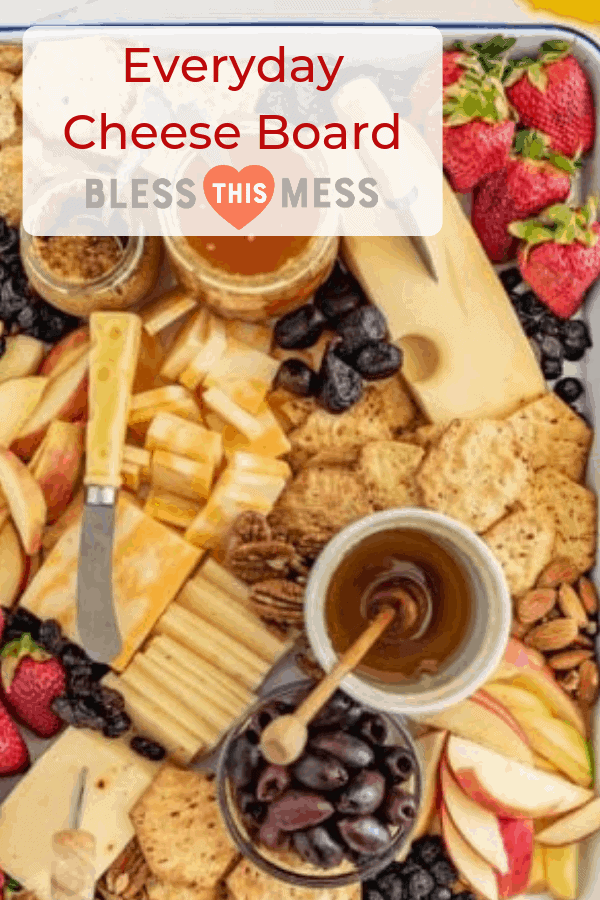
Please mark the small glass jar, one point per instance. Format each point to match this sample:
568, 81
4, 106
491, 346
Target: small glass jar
122, 286
254, 298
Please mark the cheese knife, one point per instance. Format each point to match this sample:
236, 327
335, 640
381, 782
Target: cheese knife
115, 338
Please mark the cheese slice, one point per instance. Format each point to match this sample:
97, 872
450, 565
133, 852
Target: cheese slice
271, 442
242, 421
151, 563
244, 374
188, 342
173, 398
170, 432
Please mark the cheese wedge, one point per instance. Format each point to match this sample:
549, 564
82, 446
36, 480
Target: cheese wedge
178, 435
173, 398
272, 441
190, 338
250, 426
207, 357
166, 310
171, 508
181, 475
244, 374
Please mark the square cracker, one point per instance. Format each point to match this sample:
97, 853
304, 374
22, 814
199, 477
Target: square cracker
179, 828
162, 890
383, 411
474, 473
329, 497
553, 435
11, 184
247, 882
388, 469
522, 543
573, 510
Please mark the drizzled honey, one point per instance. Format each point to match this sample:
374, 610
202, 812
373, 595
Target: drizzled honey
408, 570
248, 255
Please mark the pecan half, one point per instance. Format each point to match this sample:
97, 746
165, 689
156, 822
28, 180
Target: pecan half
279, 600
535, 605
260, 560
571, 681
571, 606
250, 527
588, 595
554, 635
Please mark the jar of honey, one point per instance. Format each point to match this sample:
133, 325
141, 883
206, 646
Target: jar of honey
254, 278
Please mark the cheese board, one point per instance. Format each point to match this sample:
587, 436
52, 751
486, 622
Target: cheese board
184, 646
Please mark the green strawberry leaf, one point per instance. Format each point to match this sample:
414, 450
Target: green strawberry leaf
537, 76
531, 144
495, 47
531, 231
570, 166
13, 653
590, 209
556, 46
560, 214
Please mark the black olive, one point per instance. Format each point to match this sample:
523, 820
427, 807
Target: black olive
243, 761
365, 834
320, 772
317, 846
347, 748
363, 795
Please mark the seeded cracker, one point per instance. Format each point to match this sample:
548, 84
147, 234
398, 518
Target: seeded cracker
474, 473
522, 543
11, 185
553, 435
247, 882
8, 122
11, 58
161, 890
388, 469
179, 828
572, 508
16, 91
327, 497
426, 435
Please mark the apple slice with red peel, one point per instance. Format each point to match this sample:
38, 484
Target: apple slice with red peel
12, 565
471, 867
478, 826
484, 699
510, 788
72, 514
430, 748
518, 838
56, 465
523, 667
64, 354
65, 398
517, 700
25, 500
18, 399
574, 827
22, 357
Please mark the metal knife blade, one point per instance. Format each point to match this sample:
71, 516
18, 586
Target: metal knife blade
96, 619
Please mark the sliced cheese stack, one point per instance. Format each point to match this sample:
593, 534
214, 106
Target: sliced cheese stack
198, 673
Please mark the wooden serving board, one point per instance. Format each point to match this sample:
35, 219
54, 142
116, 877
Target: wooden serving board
39, 805
465, 352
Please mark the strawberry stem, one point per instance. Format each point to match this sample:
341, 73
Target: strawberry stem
560, 223
14, 652
535, 145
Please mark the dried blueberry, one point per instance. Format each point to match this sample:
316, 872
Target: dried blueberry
295, 376
569, 389
340, 386
420, 884
399, 807
273, 781
363, 795
50, 637
399, 763
576, 339
531, 306
21, 621
50, 325
117, 725
374, 729
320, 772
78, 713
551, 347
551, 368
441, 893
243, 761
510, 278
147, 748
549, 325
79, 683
335, 308
444, 872
464, 895
98, 670
71, 655
12, 301
370, 892
298, 810
391, 883
378, 360
317, 846
111, 701
300, 328
347, 748
365, 834
364, 325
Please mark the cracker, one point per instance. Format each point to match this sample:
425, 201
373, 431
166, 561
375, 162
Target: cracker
329, 497
179, 828
572, 508
247, 882
523, 545
553, 435
11, 184
384, 409
11, 58
426, 435
162, 890
388, 469
16, 91
474, 473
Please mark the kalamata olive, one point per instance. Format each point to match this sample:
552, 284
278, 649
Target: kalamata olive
346, 747
297, 810
374, 729
340, 709
253, 812
399, 807
300, 328
365, 834
364, 325
273, 781
244, 759
272, 836
320, 772
363, 795
317, 846
399, 764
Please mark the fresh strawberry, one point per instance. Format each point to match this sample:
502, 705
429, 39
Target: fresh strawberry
553, 95
478, 129
452, 70
533, 178
32, 680
560, 256
14, 756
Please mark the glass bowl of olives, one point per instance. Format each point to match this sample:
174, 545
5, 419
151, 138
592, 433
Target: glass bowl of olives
341, 812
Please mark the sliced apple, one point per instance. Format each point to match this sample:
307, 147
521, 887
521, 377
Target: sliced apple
430, 748
476, 722
64, 354
65, 398
484, 699
545, 764
518, 839
574, 827
22, 357
471, 867
72, 514
562, 870
25, 500
57, 463
510, 788
537, 875
517, 699
478, 826
523, 667
18, 399
12, 565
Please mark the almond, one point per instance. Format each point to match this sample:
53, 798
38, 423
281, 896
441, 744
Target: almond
559, 571
535, 605
518, 630
570, 659
571, 606
555, 635
588, 595
588, 682
571, 681
582, 640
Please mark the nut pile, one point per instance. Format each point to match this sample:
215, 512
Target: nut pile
127, 876
559, 618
